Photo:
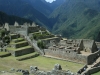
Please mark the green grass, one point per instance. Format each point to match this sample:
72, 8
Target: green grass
19, 39
11, 73
27, 55
2, 53
42, 63
98, 73
18, 42
10, 48
13, 34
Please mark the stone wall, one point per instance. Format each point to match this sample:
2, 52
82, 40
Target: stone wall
19, 45
46, 41
89, 45
24, 51
65, 54
92, 70
71, 55
32, 29
94, 56
14, 36
21, 52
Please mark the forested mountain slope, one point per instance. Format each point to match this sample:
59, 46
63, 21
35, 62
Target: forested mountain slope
23, 9
76, 19
4, 18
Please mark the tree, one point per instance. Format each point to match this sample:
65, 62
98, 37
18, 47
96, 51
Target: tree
41, 44
6, 39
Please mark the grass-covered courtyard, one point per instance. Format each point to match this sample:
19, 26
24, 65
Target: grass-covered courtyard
42, 63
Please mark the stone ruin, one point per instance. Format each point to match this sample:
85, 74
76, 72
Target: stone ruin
57, 70
16, 24
76, 50
6, 26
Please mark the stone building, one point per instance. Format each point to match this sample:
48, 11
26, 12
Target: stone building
24, 29
89, 45
76, 50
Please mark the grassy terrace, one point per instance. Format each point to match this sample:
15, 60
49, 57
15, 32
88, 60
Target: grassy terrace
10, 48
42, 63
19, 39
12, 34
27, 55
18, 42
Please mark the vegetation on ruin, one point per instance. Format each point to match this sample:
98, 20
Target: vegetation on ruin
2, 33
41, 35
41, 44
6, 39
4, 36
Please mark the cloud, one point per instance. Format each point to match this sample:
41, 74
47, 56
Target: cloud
50, 1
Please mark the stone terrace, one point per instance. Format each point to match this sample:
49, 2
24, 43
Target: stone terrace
19, 46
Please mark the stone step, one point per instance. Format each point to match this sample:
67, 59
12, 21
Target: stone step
27, 56
14, 36
18, 40
4, 54
20, 51
19, 44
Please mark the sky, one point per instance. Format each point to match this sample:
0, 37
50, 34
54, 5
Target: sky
50, 1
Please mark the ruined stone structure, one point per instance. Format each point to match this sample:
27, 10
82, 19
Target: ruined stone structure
24, 29
19, 46
76, 50
90, 45
57, 70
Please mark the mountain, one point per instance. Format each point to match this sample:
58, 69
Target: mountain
40, 6
4, 18
77, 19
43, 6
54, 4
23, 9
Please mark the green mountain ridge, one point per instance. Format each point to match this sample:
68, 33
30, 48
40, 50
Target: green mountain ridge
4, 18
25, 10
76, 20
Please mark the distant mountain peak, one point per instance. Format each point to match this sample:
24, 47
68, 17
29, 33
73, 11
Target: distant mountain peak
50, 1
